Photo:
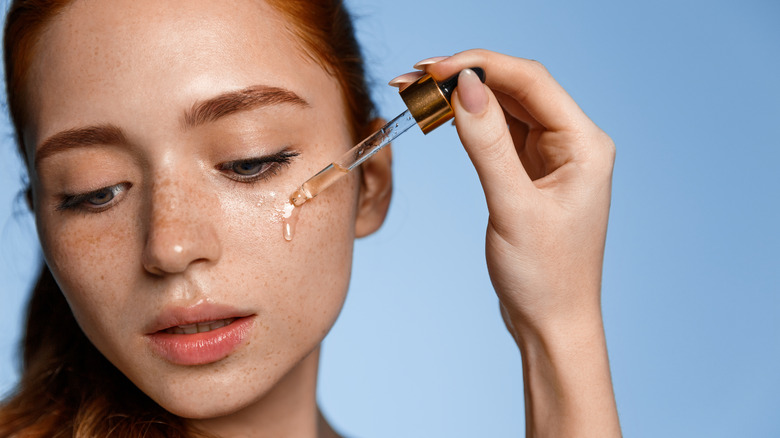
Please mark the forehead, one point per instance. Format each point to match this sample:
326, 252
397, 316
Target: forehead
102, 59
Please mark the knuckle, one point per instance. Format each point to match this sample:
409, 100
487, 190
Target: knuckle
538, 68
608, 145
604, 150
598, 152
477, 51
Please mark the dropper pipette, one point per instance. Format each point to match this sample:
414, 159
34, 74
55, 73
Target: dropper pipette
428, 103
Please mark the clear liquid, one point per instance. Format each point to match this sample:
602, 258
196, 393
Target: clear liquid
316, 184
289, 220
308, 190
336, 170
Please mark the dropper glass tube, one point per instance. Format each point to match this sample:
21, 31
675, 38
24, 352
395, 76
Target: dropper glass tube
428, 103
353, 158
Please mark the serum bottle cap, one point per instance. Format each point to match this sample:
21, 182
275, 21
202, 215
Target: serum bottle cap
429, 100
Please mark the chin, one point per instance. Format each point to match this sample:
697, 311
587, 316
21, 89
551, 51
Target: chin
198, 401
228, 387
204, 409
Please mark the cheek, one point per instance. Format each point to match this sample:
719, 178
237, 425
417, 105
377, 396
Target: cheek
89, 258
324, 237
306, 278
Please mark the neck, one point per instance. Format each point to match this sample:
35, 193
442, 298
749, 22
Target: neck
289, 409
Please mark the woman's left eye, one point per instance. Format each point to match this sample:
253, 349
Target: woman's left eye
253, 169
250, 168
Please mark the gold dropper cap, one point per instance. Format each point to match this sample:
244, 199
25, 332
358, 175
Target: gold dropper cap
429, 100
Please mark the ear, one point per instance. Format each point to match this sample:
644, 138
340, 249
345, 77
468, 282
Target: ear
376, 188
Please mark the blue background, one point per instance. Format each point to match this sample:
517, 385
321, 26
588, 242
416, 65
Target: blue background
689, 92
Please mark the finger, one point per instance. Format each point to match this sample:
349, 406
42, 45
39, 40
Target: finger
532, 158
429, 61
525, 141
405, 79
526, 81
518, 129
521, 126
538, 159
515, 110
484, 133
561, 128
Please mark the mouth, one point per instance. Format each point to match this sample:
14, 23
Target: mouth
200, 327
199, 335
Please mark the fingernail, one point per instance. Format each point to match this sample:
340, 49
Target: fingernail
404, 78
429, 61
471, 92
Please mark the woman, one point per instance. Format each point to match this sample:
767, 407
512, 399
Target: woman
163, 140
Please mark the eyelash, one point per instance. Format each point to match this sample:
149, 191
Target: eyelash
275, 162
79, 201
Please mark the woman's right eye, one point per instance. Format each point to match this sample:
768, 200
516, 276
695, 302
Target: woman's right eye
101, 198
95, 201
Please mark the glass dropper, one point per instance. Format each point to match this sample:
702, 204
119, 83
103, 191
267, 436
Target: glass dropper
428, 103
353, 158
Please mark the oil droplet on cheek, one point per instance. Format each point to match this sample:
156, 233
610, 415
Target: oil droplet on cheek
289, 220
292, 209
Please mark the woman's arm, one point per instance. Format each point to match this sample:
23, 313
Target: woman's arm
546, 171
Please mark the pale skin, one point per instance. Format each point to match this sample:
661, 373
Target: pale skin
180, 227
546, 170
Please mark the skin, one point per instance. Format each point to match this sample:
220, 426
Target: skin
184, 232
181, 230
546, 170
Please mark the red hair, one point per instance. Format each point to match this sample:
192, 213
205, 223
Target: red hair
68, 388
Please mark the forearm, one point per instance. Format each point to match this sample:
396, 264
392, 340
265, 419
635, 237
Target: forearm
567, 383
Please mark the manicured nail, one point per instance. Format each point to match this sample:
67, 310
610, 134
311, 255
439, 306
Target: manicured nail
471, 92
405, 78
429, 61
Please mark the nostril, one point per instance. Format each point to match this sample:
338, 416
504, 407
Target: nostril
152, 269
178, 234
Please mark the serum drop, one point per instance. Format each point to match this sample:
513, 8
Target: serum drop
289, 220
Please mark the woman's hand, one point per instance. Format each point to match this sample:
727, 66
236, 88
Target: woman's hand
546, 171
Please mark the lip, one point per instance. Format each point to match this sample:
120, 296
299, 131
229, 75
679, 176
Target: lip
198, 348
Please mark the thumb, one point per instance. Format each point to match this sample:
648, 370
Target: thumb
483, 130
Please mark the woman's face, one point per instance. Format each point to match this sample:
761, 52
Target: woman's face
167, 138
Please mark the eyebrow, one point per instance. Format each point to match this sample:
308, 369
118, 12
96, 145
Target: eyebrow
242, 100
72, 138
202, 112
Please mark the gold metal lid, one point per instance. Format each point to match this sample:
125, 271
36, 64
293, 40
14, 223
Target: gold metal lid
429, 100
427, 103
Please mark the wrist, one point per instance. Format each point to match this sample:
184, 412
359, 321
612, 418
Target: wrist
572, 318
567, 380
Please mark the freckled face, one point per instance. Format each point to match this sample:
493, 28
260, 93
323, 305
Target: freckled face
155, 211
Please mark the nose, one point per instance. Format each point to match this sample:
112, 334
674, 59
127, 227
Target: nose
180, 228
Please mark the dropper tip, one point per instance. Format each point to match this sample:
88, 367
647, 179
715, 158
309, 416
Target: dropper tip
299, 197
